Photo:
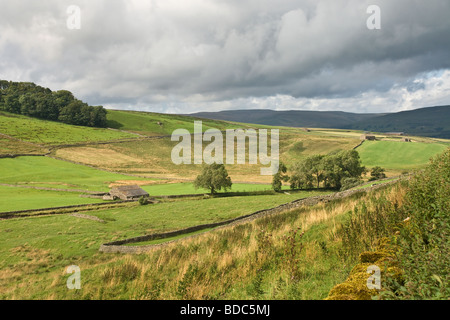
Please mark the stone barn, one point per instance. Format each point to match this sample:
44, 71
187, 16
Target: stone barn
128, 192
368, 137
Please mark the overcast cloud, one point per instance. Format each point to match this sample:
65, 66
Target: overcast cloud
209, 55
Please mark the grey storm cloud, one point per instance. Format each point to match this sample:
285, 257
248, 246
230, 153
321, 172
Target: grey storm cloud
200, 54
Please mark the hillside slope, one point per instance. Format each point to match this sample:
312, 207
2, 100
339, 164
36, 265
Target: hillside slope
151, 124
429, 122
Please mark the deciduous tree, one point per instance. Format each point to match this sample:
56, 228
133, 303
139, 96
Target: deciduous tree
214, 177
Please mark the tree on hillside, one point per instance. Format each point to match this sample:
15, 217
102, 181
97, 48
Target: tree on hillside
279, 177
214, 177
313, 166
330, 169
344, 164
300, 178
308, 172
377, 173
11, 103
32, 100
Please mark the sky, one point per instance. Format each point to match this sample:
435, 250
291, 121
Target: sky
188, 56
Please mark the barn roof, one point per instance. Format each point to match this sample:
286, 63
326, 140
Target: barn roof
130, 190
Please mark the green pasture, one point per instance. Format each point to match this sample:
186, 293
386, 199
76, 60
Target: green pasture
54, 133
52, 173
398, 155
161, 124
188, 188
68, 239
16, 198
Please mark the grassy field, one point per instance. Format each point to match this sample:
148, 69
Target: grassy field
13, 146
250, 260
36, 248
14, 198
152, 124
48, 172
239, 262
54, 133
398, 155
152, 158
188, 188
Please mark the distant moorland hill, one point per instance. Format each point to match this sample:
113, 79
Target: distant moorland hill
313, 119
430, 122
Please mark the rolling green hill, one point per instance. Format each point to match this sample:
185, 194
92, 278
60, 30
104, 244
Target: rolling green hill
48, 132
148, 123
52, 173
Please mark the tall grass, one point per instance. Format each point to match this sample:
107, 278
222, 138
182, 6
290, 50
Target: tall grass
372, 220
414, 218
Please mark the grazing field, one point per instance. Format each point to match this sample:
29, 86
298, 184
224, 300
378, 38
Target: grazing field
14, 198
188, 188
152, 158
51, 173
267, 258
37, 249
244, 261
398, 155
54, 133
152, 124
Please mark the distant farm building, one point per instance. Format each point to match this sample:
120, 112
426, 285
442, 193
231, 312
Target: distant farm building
129, 192
395, 133
368, 137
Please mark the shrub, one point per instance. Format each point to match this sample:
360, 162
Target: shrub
377, 173
143, 201
348, 183
424, 239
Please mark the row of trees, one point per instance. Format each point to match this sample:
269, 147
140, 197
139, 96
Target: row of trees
35, 101
340, 170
